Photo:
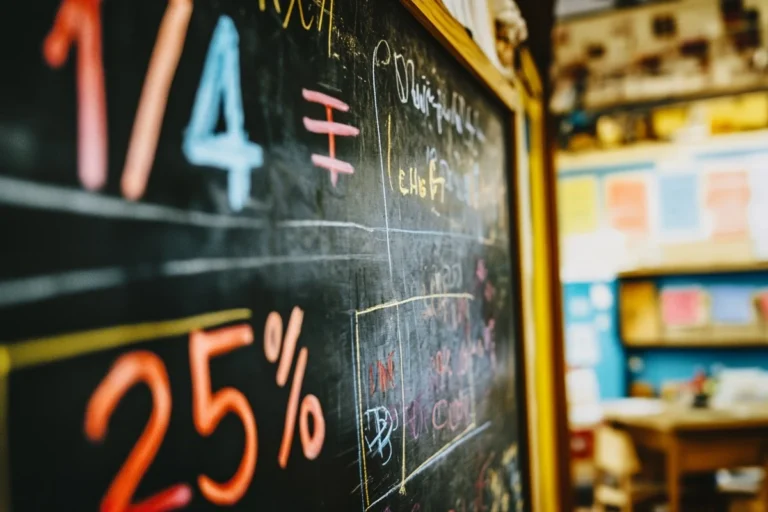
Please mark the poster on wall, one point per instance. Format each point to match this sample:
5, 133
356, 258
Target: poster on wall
626, 203
758, 207
727, 200
683, 306
679, 206
577, 203
732, 304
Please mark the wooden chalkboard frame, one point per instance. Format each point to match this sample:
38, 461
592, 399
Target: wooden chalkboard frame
546, 369
453, 36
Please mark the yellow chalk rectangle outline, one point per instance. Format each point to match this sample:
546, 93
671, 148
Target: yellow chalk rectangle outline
394, 303
5, 470
388, 305
39, 351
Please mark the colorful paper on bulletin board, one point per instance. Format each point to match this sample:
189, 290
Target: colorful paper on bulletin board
638, 311
762, 305
682, 307
581, 347
731, 305
626, 201
759, 208
577, 205
728, 195
679, 203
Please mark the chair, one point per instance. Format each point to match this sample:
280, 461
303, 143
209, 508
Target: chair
742, 489
617, 467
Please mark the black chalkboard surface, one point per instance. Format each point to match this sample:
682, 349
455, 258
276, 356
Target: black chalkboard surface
255, 255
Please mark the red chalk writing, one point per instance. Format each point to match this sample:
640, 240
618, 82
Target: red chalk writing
386, 374
210, 406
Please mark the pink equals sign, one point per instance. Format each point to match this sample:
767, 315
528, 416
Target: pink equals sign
332, 128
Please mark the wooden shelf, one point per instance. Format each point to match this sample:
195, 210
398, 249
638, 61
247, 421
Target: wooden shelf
663, 100
711, 344
676, 270
678, 345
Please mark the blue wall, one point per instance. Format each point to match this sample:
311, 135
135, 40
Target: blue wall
672, 364
607, 356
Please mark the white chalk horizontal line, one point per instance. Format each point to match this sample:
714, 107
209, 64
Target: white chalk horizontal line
39, 196
26, 290
324, 224
26, 194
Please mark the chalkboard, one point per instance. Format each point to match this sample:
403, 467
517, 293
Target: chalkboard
255, 255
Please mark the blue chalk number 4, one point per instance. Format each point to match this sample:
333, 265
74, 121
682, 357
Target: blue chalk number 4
229, 150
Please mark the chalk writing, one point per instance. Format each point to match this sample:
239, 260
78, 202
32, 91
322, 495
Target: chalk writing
431, 181
441, 362
449, 108
386, 374
208, 408
154, 96
334, 165
453, 414
454, 313
511, 462
488, 491
306, 24
482, 271
383, 427
311, 443
462, 184
425, 417
414, 184
431, 318
129, 370
80, 21
230, 150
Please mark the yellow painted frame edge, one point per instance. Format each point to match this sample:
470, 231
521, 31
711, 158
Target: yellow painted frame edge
543, 373
5, 468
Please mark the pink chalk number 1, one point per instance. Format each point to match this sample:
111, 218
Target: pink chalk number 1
80, 21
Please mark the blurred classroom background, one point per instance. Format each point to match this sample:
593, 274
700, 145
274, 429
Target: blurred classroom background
661, 114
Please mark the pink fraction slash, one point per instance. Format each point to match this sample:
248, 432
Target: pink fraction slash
331, 128
154, 98
80, 20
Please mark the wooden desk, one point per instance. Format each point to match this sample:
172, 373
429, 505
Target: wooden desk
699, 440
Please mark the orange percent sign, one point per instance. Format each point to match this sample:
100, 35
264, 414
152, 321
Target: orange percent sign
311, 443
